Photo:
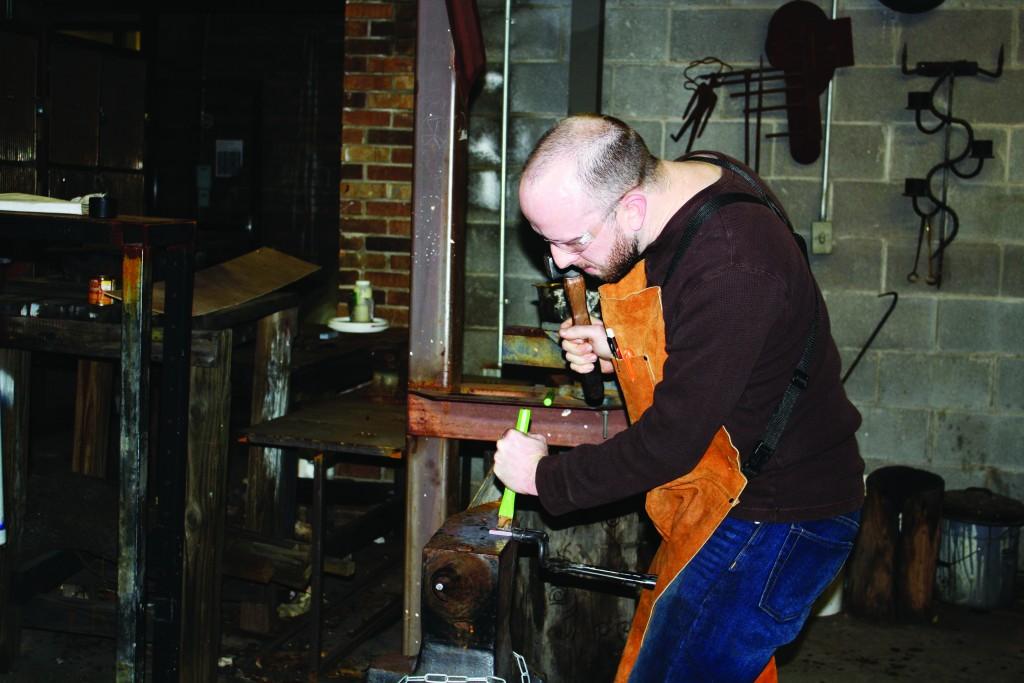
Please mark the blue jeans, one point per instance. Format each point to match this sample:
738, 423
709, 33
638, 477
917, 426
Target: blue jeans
747, 592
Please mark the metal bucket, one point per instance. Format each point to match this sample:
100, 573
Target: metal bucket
979, 548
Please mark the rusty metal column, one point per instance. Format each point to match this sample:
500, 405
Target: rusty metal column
435, 327
136, 318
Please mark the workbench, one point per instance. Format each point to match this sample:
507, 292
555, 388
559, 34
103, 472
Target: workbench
140, 241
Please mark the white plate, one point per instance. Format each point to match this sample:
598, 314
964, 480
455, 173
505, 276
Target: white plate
345, 324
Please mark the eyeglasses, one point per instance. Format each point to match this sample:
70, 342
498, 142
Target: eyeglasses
579, 244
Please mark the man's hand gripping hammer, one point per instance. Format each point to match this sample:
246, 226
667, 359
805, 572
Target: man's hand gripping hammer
576, 294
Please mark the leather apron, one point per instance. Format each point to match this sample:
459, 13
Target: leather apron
685, 511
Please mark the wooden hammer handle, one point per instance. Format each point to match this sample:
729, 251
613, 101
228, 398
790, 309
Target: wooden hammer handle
576, 294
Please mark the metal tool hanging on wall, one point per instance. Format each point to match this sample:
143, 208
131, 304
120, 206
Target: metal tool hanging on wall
934, 211
804, 48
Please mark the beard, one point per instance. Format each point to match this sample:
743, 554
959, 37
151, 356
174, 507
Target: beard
624, 255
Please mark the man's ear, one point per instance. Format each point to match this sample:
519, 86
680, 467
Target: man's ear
633, 209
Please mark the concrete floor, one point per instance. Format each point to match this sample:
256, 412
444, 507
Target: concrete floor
958, 645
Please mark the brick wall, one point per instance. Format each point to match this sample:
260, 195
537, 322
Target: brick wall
943, 386
376, 173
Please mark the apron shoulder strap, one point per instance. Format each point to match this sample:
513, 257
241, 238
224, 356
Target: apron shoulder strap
697, 219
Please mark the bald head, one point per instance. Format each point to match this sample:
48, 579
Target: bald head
608, 157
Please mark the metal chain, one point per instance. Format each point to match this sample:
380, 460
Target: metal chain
524, 676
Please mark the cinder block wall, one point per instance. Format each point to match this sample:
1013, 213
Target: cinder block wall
943, 386
376, 171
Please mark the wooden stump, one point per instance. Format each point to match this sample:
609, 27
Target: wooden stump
892, 568
575, 630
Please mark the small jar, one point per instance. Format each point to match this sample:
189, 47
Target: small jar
361, 308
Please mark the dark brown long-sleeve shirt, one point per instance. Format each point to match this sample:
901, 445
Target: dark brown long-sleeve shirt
737, 312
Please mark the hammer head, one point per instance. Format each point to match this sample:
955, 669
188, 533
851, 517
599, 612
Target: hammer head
556, 273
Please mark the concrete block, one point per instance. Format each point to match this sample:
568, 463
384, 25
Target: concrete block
524, 252
855, 314
523, 134
479, 349
481, 300
914, 154
539, 88
862, 384
972, 34
855, 263
857, 152
988, 211
535, 33
481, 252
968, 267
484, 142
876, 35
698, 33
647, 91
975, 98
800, 199
725, 137
894, 435
1016, 155
652, 132
871, 209
636, 34
1013, 271
869, 94
981, 326
521, 301
966, 439
1010, 384
484, 196
487, 98
935, 381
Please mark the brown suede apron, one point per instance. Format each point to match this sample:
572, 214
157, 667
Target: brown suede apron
685, 511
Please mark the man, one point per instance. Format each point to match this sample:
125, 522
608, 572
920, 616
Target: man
717, 319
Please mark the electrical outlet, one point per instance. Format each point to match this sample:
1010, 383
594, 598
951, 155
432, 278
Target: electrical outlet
821, 237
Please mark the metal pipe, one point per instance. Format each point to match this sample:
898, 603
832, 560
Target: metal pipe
828, 138
503, 184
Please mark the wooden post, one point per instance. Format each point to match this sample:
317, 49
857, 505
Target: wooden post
205, 493
14, 419
892, 568
131, 557
270, 384
93, 394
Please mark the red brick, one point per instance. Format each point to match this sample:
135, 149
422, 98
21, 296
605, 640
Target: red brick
366, 10
357, 190
397, 316
402, 120
375, 226
347, 277
351, 208
355, 64
370, 82
390, 65
353, 136
404, 82
365, 153
354, 172
397, 297
352, 470
383, 278
400, 262
369, 46
399, 227
389, 100
390, 137
364, 117
353, 243
357, 29
400, 191
383, 29
355, 100
388, 209
400, 155
389, 173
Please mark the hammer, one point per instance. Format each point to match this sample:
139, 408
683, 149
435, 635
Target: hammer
576, 294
